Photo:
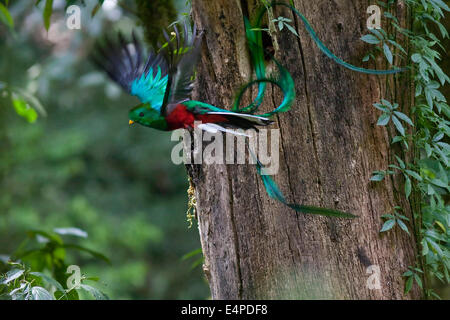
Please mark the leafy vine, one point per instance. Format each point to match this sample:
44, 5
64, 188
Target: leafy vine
425, 131
427, 172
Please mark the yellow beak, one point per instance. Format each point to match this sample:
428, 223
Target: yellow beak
130, 122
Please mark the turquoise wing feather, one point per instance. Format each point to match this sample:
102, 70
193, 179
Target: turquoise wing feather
122, 61
150, 88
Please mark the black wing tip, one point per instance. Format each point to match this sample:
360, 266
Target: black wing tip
112, 53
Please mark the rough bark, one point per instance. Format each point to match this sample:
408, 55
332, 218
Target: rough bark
330, 144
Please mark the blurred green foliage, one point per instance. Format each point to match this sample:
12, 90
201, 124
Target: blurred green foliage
83, 166
153, 14
37, 270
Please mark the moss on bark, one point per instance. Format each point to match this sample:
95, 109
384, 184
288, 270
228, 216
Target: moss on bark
155, 15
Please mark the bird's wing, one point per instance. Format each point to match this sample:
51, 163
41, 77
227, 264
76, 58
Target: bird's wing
182, 53
123, 62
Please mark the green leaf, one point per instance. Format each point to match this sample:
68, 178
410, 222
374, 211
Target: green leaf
387, 103
414, 174
397, 139
425, 249
388, 53
404, 117
12, 275
441, 4
388, 225
390, 16
48, 10
191, 254
377, 177
93, 279
5, 16
403, 226
400, 162
196, 263
434, 294
398, 125
370, 38
32, 100
71, 231
418, 280
381, 107
407, 187
39, 293
19, 292
442, 155
96, 254
23, 110
438, 136
95, 9
291, 29
49, 280
383, 119
408, 284
397, 45
439, 183
52, 237
97, 294
408, 273
441, 226
428, 150
416, 57
445, 146
377, 33
280, 25
430, 190
435, 246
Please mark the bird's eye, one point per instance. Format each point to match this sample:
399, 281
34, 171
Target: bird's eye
141, 114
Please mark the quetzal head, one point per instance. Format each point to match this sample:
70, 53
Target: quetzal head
147, 116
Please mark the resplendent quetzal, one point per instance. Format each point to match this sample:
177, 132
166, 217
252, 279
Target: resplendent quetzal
164, 81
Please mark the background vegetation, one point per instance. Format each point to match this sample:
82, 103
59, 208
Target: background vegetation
82, 165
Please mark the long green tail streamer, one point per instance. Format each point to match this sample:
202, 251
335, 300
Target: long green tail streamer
322, 46
285, 82
274, 192
254, 40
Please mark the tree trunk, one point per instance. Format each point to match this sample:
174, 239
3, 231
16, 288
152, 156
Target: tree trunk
254, 247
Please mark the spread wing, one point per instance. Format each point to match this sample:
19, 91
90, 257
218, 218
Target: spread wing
182, 54
123, 62
164, 79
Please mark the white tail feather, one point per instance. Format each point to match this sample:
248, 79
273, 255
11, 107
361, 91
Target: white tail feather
214, 128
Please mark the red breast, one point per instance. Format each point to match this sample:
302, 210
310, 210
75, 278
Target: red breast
181, 117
